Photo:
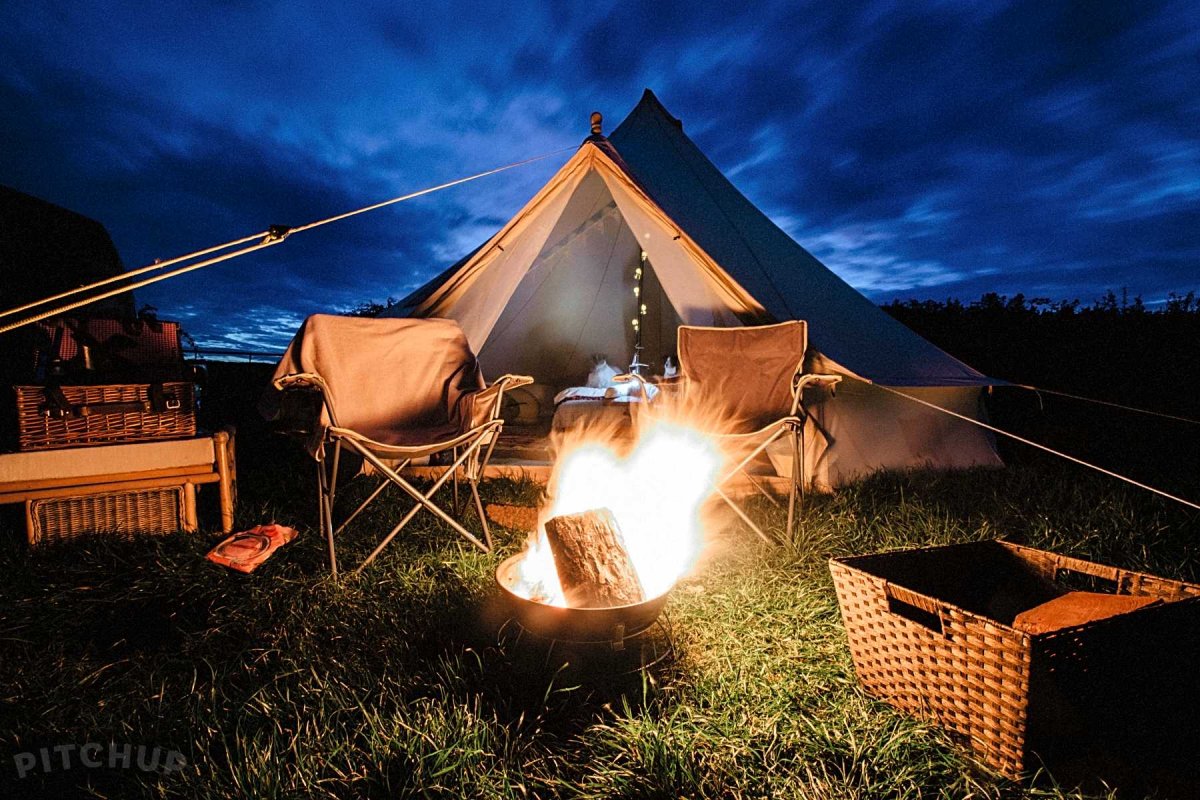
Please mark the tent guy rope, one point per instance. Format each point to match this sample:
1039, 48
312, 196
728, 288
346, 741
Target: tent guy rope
274, 235
162, 264
1031, 443
1038, 389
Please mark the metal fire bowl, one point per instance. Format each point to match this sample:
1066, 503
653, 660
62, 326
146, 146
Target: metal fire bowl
589, 625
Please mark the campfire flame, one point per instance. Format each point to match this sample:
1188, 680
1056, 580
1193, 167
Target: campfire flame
655, 493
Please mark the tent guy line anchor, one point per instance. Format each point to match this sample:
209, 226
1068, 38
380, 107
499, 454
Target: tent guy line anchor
275, 234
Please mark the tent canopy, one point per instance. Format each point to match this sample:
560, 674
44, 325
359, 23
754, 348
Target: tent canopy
554, 286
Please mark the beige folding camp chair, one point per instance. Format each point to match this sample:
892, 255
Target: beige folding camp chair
747, 385
394, 391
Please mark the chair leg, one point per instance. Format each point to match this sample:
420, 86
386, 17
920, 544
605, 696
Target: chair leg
457, 506
333, 471
744, 517
741, 467
761, 489
423, 500
383, 484
325, 510
475, 471
487, 533
797, 477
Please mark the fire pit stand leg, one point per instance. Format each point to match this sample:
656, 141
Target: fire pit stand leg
618, 637
663, 623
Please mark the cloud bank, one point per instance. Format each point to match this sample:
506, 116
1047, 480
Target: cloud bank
919, 149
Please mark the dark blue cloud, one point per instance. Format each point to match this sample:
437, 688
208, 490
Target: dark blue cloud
920, 149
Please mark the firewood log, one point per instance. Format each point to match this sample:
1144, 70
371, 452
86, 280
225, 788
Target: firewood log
592, 563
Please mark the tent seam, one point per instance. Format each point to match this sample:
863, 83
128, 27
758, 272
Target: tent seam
592, 307
497, 334
732, 224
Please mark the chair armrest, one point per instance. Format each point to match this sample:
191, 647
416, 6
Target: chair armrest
308, 382
513, 381
492, 398
301, 381
802, 381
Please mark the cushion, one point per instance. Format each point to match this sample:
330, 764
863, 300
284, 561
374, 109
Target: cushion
1077, 608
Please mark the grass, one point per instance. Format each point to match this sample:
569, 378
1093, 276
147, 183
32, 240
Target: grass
402, 682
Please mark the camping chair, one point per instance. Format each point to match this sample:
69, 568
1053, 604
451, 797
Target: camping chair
747, 385
393, 391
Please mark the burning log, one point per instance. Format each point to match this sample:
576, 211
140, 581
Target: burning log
592, 563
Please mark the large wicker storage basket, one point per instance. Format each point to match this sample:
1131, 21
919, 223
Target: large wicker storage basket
930, 633
104, 414
155, 510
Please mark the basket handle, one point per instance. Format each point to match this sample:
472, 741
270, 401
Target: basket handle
917, 608
1124, 582
1050, 565
57, 406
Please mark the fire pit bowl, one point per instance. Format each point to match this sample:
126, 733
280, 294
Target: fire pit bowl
584, 625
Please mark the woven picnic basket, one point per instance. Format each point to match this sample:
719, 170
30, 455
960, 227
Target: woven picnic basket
930, 633
83, 416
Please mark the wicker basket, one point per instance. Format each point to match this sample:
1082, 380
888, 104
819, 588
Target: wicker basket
157, 510
930, 633
105, 414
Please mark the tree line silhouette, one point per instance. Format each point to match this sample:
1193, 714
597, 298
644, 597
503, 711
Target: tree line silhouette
1115, 349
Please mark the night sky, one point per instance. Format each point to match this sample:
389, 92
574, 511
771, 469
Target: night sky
920, 149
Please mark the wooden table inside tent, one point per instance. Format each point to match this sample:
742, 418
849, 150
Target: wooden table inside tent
124, 488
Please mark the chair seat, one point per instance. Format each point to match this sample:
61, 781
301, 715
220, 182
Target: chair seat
415, 437
423, 447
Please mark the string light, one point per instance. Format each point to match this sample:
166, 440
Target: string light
638, 273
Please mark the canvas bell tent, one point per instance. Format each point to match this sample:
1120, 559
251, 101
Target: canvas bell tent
554, 287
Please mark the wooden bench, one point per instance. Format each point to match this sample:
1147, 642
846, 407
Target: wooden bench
122, 488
